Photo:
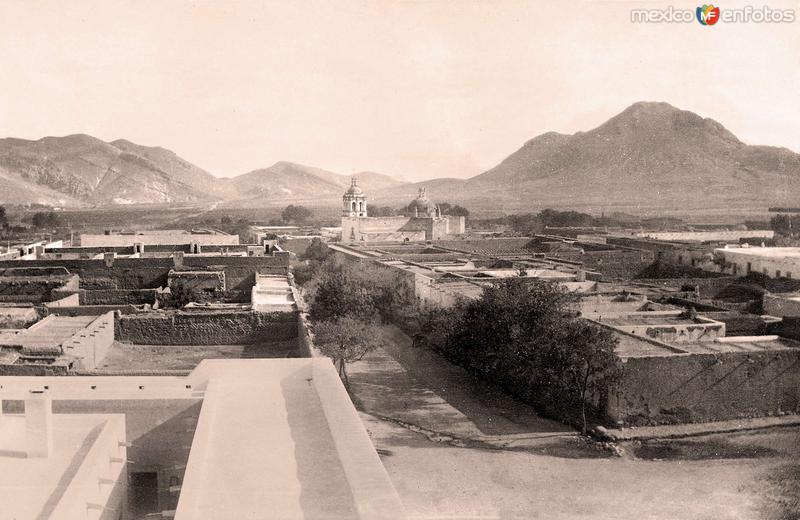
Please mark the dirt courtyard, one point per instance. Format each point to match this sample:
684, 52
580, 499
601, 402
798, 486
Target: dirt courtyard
455, 449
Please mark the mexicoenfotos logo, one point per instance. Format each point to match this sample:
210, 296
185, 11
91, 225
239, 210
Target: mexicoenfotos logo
708, 14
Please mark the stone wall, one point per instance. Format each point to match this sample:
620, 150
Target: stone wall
777, 305
29, 290
118, 296
706, 287
707, 387
34, 370
150, 273
612, 263
207, 328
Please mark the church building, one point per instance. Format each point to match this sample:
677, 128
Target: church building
423, 221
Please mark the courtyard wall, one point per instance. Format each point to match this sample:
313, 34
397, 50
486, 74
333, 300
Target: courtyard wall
707, 387
207, 328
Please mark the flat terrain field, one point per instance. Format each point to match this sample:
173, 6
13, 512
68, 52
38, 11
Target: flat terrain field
455, 449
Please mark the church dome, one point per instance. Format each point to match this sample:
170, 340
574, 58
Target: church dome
354, 189
421, 205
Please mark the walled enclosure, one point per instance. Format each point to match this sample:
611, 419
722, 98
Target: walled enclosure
151, 273
707, 387
207, 328
780, 305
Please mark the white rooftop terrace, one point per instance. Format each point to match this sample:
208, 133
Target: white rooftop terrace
272, 293
75, 480
763, 252
275, 438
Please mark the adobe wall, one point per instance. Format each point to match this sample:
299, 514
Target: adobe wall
741, 324
34, 370
707, 387
31, 290
150, 273
147, 239
640, 243
612, 264
781, 306
710, 236
118, 296
774, 267
707, 287
89, 251
206, 328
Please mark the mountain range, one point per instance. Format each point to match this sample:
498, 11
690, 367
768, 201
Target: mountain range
651, 155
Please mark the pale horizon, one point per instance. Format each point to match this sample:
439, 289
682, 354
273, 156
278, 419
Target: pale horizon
415, 90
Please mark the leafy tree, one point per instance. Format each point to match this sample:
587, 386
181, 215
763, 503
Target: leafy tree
296, 214
345, 340
525, 336
432, 325
313, 257
453, 210
785, 224
182, 294
335, 295
304, 272
45, 219
554, 218
582, 362
317, 250
363, 290
3, 217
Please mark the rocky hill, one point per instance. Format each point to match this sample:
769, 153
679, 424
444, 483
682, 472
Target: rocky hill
80, 169
650, 155
296, 183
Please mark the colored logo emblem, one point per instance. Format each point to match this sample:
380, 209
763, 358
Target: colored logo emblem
708, 14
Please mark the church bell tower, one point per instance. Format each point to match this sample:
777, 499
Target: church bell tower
354, 202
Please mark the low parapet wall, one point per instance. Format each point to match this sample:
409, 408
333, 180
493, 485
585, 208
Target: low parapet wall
91, 344
207, 328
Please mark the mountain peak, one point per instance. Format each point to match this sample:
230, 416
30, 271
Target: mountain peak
650, 154
651, 107
660, 120
72, 140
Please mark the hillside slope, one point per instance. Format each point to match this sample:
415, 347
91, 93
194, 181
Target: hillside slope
650, 155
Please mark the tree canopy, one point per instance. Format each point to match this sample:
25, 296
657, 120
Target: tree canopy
368, 291
344, 340
453, 210
525, 336
45, 219
292, 214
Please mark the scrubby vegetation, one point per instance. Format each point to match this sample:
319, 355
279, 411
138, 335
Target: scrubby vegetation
526, 337
522, 335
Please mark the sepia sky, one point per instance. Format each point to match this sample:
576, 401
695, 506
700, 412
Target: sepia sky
411, 89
